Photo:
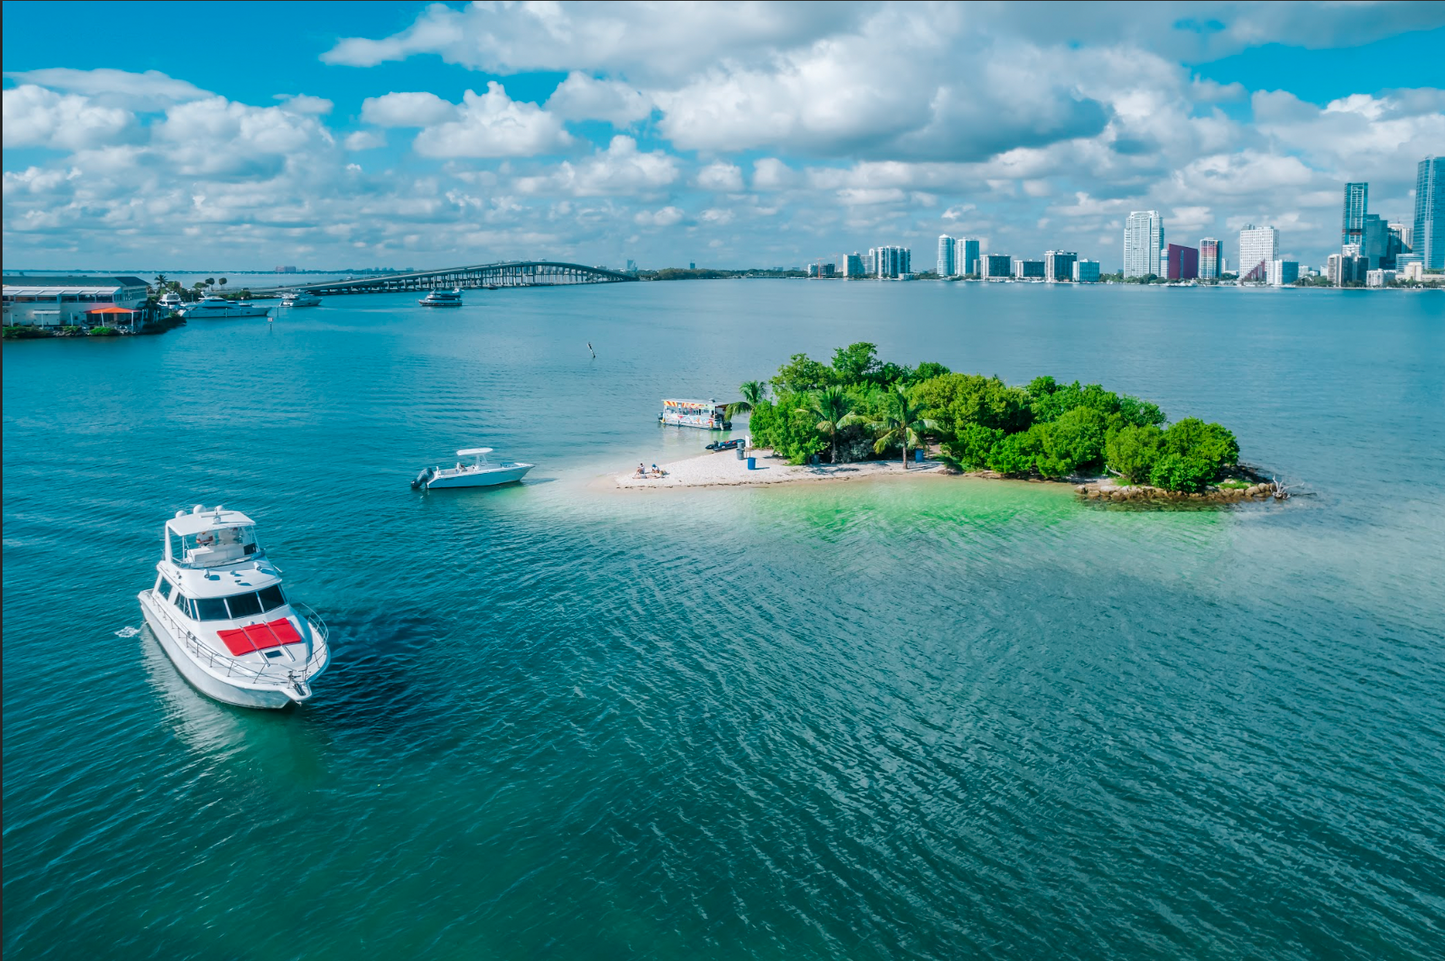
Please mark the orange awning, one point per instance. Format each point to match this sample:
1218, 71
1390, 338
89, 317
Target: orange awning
110, 309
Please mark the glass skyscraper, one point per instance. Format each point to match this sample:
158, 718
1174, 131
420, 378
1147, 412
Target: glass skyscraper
1143, 241
1352, 224
1209, 259
1429, 232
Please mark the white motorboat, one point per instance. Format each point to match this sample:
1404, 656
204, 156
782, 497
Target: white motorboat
479, 473
220, 614
170, 301
300, 298
442, 298
212, 307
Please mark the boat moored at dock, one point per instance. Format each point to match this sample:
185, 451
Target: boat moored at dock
442, 298
218, 308
704, 414
479, 473
300, 298
220, 614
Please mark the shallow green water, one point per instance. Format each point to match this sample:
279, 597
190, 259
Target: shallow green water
892, 720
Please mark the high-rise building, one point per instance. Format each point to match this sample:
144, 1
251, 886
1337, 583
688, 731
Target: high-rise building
1429, 232
1258, 248
995, 266
947, 256
1143, 239
1183, 262
853, 265
965, 256
1028, 269
1209, 265
1283, 272
1352, 222
1346, 268
1086, 271
1059, 265
891, 261
1405, 234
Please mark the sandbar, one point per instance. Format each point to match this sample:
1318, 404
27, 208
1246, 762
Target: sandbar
723, 469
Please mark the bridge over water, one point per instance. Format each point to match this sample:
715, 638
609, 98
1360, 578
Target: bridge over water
514, 273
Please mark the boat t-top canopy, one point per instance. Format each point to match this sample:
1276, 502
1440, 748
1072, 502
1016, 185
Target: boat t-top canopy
474, 451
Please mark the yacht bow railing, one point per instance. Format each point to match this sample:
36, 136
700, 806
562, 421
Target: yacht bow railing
205, 653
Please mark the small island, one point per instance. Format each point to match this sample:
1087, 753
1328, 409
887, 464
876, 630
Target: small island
868, 414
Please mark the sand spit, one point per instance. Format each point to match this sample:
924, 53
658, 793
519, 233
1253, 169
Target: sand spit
723, 469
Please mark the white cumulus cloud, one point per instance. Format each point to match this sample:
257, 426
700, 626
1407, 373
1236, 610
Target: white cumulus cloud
583, 97
37, 117
494, 125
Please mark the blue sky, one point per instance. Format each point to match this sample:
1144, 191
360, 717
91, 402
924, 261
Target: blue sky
241, 136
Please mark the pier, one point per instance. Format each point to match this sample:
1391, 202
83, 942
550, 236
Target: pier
516, 273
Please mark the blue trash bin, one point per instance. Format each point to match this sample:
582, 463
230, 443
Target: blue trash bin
752, 463
918, 455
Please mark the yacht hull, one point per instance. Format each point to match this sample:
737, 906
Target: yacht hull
481, 478
235, 313
202, 680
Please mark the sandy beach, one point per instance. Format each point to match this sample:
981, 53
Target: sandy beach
723, 469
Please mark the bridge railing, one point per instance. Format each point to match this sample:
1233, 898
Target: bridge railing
517, 273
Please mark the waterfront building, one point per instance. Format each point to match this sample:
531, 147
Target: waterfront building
966, 256
1028, 269
947, 256
1210, 266
1258, 248
1379, 278
853, 265
1346, 268
1182, 263
1429, 232
1143, 239
1086, 271
64, 301
1414, 270
995, 266
1352, 223
890, 262
1282, 273
1405, 234
1059, 265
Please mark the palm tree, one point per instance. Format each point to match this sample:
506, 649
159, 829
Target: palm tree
162, 284
833, 409
901, 423
753, 392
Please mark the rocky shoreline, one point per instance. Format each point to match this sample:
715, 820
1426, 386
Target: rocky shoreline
1116, 493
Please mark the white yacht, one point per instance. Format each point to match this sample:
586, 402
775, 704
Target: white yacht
212, 307
479, 473
170, 301
218, 610
442, 298
299, 298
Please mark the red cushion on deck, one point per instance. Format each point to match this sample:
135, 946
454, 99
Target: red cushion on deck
260, 636
285, 633
236, 642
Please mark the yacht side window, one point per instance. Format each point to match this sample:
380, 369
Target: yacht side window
211, 609
180, 600
165, 588
272, 598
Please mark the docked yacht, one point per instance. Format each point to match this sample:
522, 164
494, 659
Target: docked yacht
479, 473
212, 307
300, 298
170, 301
442, 298
218, 610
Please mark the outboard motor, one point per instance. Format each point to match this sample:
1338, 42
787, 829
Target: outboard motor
422, 479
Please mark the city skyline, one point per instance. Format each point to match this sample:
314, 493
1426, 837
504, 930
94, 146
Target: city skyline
434, 135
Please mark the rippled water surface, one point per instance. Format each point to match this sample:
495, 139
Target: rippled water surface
936, 719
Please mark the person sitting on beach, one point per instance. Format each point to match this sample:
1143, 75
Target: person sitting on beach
658, 473
641, 471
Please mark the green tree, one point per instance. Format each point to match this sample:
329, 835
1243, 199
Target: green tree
222, 281
1015, 454
1211, 443
1075, 440
802, 374
832, 409
970, 447
902, 423
753, 392
210, 281
162, 283
1133, 451
778, 426
957, 400
856, 363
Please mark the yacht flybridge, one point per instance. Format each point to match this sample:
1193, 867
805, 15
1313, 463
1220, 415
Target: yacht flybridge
218, 610
442, 298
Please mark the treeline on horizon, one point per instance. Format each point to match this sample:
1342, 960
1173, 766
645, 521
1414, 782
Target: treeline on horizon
859, 408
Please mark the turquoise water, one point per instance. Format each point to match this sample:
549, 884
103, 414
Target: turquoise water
939, 719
